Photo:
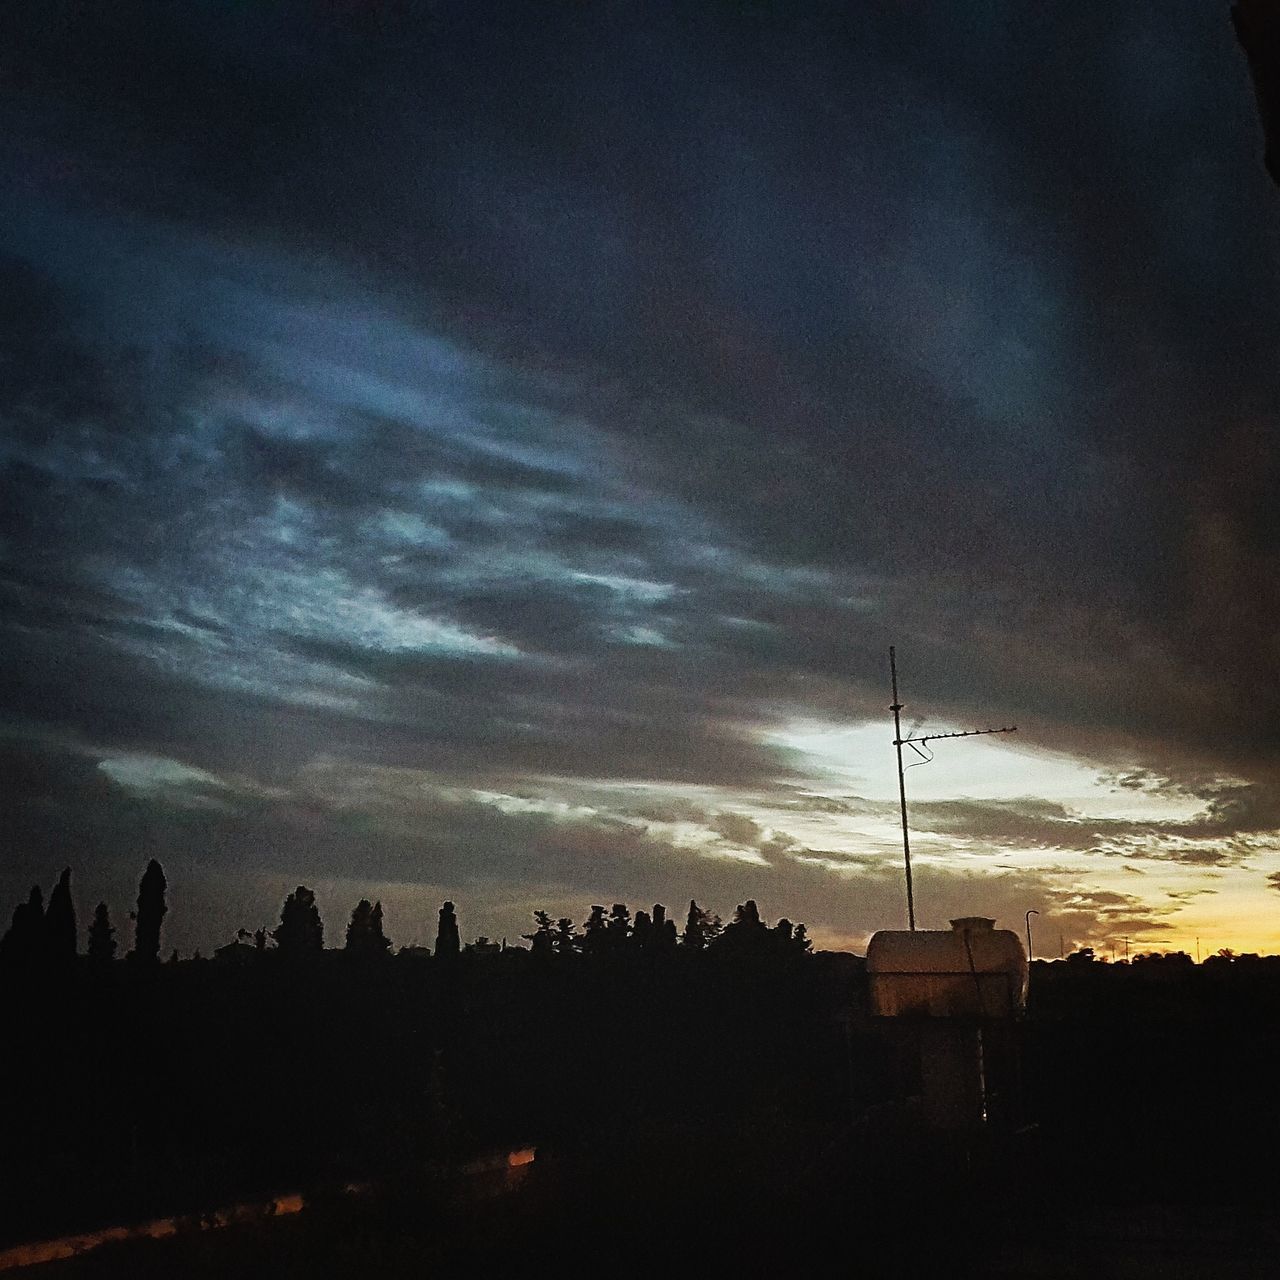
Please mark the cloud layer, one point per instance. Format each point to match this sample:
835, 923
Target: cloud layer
410, 406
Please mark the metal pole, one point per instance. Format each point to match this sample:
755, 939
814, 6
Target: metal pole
1027, 918
902, 788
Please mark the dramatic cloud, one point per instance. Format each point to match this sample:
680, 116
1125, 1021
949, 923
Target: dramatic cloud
407, 406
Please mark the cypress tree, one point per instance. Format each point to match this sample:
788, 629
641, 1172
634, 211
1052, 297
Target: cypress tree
60, 922
448, 943
102, 940
21, 943
381, 943
300, 933
359, 927
701, 928
149, 915
592, 938
364, 934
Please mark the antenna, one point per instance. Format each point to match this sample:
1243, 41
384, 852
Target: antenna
913, 742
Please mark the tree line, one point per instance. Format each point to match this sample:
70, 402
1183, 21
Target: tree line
47, 935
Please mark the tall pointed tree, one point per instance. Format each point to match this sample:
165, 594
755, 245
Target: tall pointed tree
60, 922
592, 938
364, 934
380, 940
102, 937
360, 927
701, 928
664, 930
300, 933
21, 943
149, 915
448, 943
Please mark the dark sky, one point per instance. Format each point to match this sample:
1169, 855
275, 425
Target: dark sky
485, 450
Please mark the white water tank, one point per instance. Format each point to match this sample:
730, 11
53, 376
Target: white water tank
972, 970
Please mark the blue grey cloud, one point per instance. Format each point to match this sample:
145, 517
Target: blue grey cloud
582, 398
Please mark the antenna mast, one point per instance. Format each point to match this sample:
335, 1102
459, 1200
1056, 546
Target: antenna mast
899, 742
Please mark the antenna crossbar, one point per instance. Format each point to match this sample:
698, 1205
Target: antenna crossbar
964, 733
914, 743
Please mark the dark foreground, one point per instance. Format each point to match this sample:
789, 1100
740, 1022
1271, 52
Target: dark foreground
689, 1119
754, 1214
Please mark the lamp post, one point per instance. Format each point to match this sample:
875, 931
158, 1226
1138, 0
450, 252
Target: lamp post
1027, 918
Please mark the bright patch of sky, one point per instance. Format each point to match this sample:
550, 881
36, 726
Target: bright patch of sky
635, 588
861, 760
643, 637
326, 605
147, 773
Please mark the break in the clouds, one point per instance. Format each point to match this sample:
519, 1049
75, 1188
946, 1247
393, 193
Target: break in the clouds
451, 451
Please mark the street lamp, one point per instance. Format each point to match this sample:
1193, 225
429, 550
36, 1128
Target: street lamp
1027, 918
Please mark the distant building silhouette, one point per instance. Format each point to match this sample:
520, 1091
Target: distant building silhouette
237, 952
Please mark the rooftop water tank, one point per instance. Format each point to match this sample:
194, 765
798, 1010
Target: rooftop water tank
973, 970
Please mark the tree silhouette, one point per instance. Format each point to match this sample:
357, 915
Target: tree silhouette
21, 943
592, 938
380, 939
701, 928
365, 936
300, 933
149, 915
60, 922
642, 930
664, 934
102, 937
746, 931
618, 928
448, 943
565, 938
542, 937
